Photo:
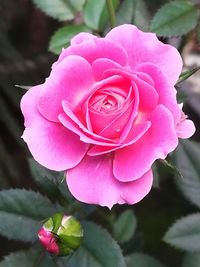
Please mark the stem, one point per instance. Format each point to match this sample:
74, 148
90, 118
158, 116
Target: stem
111, 13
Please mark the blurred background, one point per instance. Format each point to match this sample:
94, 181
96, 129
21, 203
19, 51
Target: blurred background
25, 59
24, 35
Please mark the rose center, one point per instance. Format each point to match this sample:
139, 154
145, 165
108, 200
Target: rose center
107, 101
109, 108
108, 104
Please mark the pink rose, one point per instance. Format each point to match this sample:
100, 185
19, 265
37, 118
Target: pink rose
107, 111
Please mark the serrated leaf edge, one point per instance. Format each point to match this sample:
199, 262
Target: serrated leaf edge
168, 35
54, 16
169, 228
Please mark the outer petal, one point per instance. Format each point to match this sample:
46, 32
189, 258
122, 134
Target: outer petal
185, 129
132, 162
145, 47
71, 80
166, 92
52, 145
95, 48
92, 181
82, 37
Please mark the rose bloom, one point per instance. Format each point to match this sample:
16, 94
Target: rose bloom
107, 111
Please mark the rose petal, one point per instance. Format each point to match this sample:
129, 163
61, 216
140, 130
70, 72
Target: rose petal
72, 122
145, 47
115, 127
85, 135
166, 92
82, 37
52, 145
185, 129
133, 161
99, 66
71, 80
145, 78
148, 96
126, 118
102, 122
92, 181
99, 121
95, 48
135, 134
133, 116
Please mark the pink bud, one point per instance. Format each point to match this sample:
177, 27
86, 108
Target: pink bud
48, 240
61, 235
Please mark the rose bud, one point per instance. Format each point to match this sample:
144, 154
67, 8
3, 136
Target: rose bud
61, 235
48, 240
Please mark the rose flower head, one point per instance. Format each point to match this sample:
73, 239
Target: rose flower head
106, 112
61, 235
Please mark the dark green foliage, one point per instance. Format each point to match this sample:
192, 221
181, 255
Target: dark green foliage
170, 18
125, 226
98, 249
185, 233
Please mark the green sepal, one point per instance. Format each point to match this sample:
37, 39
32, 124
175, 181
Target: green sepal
71, 233
57, 218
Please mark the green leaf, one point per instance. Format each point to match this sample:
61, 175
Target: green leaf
47, 180
185, 233
134, 12
58, 9
187, 158
21, 212
62, 37
23, 202
27, 258
141, 15
186, 74
93, 12
142, 260
18, 227
171, 167
126, 12
191, 260
98, 249
96, 14
124, 227
174, 19
77, 4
